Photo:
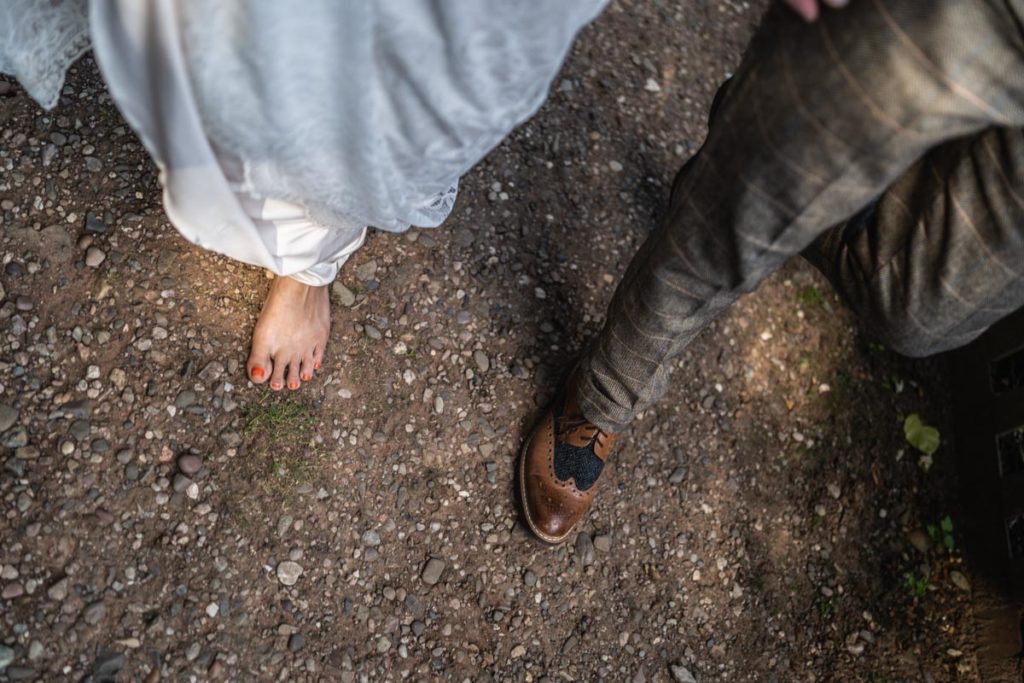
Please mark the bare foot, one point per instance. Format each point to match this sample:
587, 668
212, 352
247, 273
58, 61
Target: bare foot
290, 335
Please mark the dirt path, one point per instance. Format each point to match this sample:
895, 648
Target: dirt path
163, 518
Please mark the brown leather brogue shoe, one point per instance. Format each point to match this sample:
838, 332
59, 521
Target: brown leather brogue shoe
559, 468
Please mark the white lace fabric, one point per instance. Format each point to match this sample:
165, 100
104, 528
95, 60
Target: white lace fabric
352, 113
39, 40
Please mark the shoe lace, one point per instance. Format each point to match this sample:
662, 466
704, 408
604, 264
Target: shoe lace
570, 423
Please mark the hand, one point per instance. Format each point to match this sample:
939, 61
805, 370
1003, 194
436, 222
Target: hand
808, 9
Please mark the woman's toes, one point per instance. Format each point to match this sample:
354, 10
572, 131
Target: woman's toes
277, 377
318, 357
293, 375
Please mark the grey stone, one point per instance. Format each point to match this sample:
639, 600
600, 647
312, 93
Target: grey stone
584, 549
80, 429
189, 464
185, 399
371, 538
432, 571
296, 642
180, 482
6, 657
211, 371
8, 416
17, 326
678, 475
343, 294
94, 256
93, 224
960, 581
366, 271
21, 673
94, 613
15, 438
288, 572
59, 590
680, 674
80, 409
107, 665
483, 363
603, 543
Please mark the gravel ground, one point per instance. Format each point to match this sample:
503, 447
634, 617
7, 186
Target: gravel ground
163, 519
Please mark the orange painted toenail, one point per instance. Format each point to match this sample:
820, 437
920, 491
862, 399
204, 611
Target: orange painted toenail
293, 385
257, 372
307, 377
275, 385
316, 365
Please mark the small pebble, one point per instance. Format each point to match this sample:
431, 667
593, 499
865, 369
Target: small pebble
960, 581
94, 256
343, 294
432, 571
94, 613
288, 572
584, 549
482, 361
189, 464
680, 674
8, 416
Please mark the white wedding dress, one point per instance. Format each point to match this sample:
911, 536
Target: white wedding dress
282, 128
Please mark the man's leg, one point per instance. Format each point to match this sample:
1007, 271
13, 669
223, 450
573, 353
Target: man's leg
940, 256
819, 120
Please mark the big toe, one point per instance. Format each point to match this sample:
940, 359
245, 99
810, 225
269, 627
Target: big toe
259, 365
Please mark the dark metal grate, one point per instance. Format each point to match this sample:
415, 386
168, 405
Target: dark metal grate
1008, 372
1010, 450
989, 391
1015, 536
988, 383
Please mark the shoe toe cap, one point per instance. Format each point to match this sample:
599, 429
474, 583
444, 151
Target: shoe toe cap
549, 520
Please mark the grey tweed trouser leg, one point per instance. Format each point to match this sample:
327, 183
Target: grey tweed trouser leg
885, 141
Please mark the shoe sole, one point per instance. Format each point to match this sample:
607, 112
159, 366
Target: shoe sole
550, 540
